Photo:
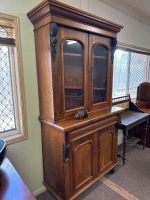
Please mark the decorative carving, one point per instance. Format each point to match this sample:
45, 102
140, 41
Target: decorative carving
80, 114
113, 45
66, 152
53, 33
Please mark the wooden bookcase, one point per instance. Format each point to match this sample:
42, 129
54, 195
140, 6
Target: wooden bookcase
74, 55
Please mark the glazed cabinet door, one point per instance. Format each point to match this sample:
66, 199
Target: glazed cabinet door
100, 72
73, 61
82, 161
107, 149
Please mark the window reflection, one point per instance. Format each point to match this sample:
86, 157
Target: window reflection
100, 74
73, 74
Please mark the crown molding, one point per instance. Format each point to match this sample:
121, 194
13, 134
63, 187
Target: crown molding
129, 10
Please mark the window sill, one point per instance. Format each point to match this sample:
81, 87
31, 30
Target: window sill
12, 137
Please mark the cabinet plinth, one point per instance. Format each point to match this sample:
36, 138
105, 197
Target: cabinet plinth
74, 56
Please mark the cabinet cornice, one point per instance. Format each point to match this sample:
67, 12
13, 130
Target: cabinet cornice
51, 9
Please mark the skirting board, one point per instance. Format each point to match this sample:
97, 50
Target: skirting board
39, 191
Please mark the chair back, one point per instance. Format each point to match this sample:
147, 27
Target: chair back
143, 92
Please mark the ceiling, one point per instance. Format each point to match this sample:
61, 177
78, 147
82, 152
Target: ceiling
140, 9
142, 6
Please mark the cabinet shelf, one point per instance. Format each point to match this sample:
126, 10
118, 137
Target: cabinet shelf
74, 97
96, 88
97, 57
73, 54
74, 87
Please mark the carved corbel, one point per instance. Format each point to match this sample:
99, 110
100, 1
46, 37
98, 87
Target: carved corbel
113, 45
53, 34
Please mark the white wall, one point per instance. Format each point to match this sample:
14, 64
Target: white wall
27, 155
134, 32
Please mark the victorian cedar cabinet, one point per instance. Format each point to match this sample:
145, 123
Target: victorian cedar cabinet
74, 55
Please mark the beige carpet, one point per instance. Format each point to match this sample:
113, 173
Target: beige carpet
131, 181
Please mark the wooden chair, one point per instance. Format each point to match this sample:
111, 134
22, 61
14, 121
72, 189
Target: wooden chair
143, 102
143, 92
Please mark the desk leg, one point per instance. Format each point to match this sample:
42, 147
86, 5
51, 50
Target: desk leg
125, 133
145, 133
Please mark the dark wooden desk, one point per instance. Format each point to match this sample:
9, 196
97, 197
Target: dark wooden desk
12, 186
130, 119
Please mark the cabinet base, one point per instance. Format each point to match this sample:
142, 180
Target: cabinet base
82, 190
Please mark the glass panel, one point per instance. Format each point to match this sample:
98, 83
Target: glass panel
130, 69
7, 113
73, 74
100, 74
139, 72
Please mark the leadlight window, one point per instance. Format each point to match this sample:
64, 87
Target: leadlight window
7, 110
130, 69
12, 104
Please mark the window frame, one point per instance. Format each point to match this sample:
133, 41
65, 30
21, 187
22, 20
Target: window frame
20, 133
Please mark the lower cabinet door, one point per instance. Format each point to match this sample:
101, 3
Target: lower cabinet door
82, 162
107, 149
93, 154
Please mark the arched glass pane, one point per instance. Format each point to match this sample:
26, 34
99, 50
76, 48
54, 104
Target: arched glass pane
73, 74
100, 74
